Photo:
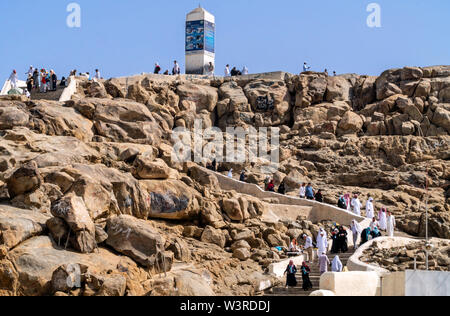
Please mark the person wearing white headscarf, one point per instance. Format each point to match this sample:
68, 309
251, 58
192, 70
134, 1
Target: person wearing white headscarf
356, 204
323, 263
382, 219
322, 242
390, 224
370, 213
245, 70
356, 231
336, 265
230, 173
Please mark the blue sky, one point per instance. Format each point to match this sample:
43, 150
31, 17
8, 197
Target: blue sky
127, 37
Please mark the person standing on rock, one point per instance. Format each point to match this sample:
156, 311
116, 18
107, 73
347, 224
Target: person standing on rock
230, 174
390, 224
324, 262
282, 188
157, 69
13, 79
227, 71
291, 270
309, 247
245, 71
370, 213
307, 284
356, 204
336, 265
53, 80
97, 75
356, 231
306, 67
176, 70
382, 219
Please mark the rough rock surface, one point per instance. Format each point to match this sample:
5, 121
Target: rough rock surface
90, 183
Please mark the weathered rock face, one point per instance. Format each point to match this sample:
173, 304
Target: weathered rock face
24, 180
101, 164
73, 211
171, 199
138, 240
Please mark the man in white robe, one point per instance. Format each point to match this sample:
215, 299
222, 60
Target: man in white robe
390, 224
356, 231
227, 71
322, 242
382, 219
370, 212
336, 265
13, 79
356, 204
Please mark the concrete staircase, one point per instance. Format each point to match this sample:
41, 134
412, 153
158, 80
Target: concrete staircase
314, 277
49, 95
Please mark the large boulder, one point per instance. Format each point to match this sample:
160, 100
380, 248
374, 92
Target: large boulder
213, 236
13, 114
171, 199
204, 97
138, 240
52, 118
351, 123
18, 225
24, 180
441, 117
147, 168
73, 211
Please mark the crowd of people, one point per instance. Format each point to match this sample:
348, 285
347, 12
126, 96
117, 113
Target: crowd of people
43, 80
306, 68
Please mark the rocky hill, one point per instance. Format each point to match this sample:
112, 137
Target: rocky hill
90, 193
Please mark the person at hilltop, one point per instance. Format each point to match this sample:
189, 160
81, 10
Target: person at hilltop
291, 271
309, 191
356, 205
382, 219
324, 262
319, 197
356, 231
157, 69
370, 213
97, 75
391, 224
334, 73
166, 73
210, 69
53, 80
336, 265
176, 70
309, 247
307, 284
282, 188
30, 82
245, 70
306, 67
227, 71
13, 79
30, 71
43, 81
325, 72
36, 79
